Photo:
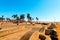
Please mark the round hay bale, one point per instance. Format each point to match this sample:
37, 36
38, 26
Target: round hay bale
53, 33
42, 37
0, 28
47, 32
52, 26
54, 38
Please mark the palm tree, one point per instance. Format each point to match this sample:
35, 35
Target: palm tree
2, 18
22, 17
16, 18
29, 17
37, 18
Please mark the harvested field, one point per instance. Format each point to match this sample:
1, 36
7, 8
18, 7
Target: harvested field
24, 31
58, 30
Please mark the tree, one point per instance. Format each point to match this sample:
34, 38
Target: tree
37, 18
29, 17
16, 18
22, 17
2, 18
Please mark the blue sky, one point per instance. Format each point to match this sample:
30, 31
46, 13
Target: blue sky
45, 10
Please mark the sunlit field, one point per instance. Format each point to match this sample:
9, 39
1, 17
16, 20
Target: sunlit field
58, 30
25, 31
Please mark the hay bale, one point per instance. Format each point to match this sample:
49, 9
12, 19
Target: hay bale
53, 38
42, 37
52, 33
0, 28
47, 32
44, 23
52, 26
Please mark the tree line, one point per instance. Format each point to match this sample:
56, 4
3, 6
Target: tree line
21, 18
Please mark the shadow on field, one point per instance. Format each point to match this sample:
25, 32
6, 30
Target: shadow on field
27, 35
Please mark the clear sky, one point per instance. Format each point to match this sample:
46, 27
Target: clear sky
45, 10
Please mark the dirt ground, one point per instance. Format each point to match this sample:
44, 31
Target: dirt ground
25, 33
58, 30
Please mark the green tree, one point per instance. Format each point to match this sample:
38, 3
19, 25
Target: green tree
16, 18
29, 17
2, 18
37, 19
22, 17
